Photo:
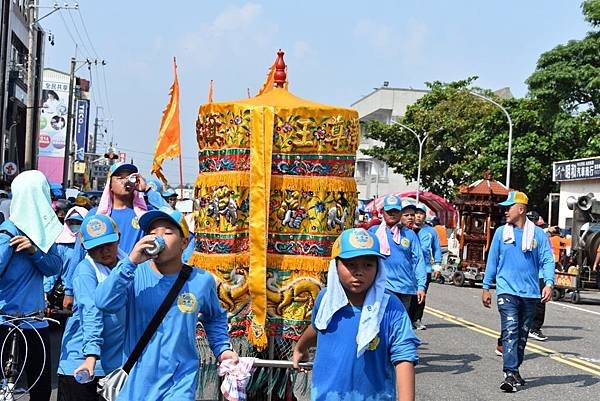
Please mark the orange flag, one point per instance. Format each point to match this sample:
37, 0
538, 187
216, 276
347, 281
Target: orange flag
270, 82
168, 144
210, 92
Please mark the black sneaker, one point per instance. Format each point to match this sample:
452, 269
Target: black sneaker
519, 379
537, 335
509, 384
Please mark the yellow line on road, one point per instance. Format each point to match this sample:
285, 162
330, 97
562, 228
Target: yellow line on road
557, 356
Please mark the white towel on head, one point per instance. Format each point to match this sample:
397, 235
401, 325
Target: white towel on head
372, 309
508, 235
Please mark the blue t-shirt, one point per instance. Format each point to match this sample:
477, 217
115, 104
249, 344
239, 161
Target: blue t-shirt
22, 277
168, 366
90, 331
338, 375
517, 272
405, 267
430, 243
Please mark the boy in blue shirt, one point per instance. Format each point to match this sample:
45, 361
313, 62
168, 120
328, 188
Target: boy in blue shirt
518, 253
366, 349
405, 267
93, 340
168, 367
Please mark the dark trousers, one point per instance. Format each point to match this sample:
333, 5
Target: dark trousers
420, 307
516, 314
540, 311
409, 305
70, 390
32, 366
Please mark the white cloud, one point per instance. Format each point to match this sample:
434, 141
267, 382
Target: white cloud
237, 33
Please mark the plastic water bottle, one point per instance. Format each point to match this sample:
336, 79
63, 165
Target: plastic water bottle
83, 376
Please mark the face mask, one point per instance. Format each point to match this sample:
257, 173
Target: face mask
75, 227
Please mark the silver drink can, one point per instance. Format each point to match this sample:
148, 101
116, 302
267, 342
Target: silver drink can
132, 179
159, 245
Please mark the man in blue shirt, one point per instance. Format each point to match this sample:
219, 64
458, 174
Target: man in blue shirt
518, 253
168, 367
430, 244
405, 268
122, 200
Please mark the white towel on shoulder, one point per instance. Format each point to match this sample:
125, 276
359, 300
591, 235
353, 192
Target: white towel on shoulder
508, 235
372, 309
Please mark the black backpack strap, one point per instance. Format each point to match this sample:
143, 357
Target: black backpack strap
10, 235
184, 274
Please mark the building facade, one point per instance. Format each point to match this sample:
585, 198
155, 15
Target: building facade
384, 104
14, 60
577, 178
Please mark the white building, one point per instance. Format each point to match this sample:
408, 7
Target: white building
385, 104
576, 177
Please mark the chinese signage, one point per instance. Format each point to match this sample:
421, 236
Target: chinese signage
583, 169
53, 127
81, 128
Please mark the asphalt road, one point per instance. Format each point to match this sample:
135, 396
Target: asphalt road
457, 359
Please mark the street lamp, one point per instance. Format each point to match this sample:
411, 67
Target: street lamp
421, 140
510, 128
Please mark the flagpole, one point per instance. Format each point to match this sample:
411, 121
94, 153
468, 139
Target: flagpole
180, 178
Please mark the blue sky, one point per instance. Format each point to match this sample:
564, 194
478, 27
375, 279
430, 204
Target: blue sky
336, 51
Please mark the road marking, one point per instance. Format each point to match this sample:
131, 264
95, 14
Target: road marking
574, 307
575, 362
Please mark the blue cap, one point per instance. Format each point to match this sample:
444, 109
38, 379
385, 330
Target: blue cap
122, 166
407, 204
168, 193
164, 212
154, 184
355, 242
392, 202
98, 230
421, 206
515, 197
75, 216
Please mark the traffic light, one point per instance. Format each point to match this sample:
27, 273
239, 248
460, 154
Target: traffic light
111, 155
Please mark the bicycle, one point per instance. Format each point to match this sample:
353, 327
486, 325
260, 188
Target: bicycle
13, 367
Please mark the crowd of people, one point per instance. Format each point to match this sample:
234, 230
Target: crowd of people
121, 264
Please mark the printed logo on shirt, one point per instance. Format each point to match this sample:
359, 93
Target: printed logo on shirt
187, 302
96, 228
405, 242
134, 223
360, 239
535, 243
374, 343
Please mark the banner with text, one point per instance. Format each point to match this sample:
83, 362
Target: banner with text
81, 128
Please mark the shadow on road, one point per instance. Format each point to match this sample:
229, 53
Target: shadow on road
438, 363
574, 380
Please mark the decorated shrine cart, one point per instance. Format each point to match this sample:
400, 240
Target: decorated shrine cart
275, 189
479, 216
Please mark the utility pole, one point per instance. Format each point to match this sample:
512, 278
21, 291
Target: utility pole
67, 167
30, 126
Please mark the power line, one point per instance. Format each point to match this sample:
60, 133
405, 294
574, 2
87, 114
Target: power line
68, 31
86, 32
83, 46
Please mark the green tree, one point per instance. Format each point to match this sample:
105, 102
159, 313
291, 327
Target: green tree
558, 120
567, 78
472, 140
